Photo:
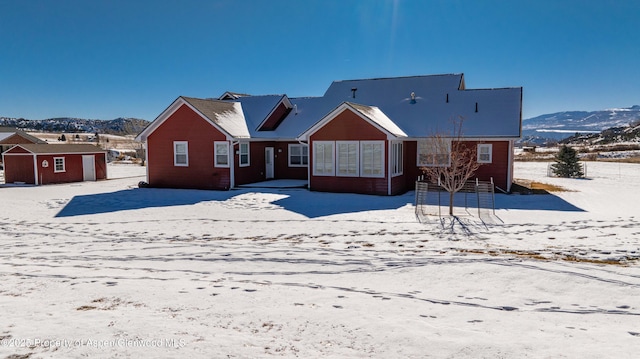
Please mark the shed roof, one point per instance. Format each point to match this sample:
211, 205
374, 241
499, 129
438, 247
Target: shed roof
39, 148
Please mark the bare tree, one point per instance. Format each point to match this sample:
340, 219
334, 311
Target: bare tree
449, 161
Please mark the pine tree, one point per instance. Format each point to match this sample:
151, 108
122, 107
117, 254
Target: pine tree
567, 163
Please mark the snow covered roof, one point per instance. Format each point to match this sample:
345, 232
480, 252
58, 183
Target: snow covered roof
228, 115
371, 114
437, 101
414, 107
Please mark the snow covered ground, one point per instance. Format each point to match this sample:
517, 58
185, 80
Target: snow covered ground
105, 269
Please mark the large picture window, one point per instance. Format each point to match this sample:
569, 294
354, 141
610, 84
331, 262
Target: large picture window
323, 161
181, 153
221, 155
347, 158
434, 152
298, 155
372, 159
244, 154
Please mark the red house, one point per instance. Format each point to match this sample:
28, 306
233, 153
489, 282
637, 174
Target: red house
10, 137
362, 136
40, 164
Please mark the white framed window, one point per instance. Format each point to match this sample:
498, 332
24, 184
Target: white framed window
397, 158
485, 153
372, 159
347, 158
323, 161
58, 164
243, 153
298, 155
221, 153
434, 152
181, 153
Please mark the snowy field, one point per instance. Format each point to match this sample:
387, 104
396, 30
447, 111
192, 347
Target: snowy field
105, 270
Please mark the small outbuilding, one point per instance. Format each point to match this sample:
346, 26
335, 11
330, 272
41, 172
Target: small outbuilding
40, 164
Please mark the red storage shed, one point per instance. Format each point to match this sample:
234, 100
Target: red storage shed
46, 164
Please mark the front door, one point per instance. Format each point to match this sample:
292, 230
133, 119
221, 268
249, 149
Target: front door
268, 160
88, 167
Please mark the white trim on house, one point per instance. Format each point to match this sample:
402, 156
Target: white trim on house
169, 111
348, 106
376, 168
178, 160
328, 159
55, 165
396, 158
35, 169
348, 164
302, 147
485, 153
246, 163
222, 145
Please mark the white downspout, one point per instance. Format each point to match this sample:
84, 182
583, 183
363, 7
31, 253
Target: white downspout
388, 159
232, 165
510, 172
308, 163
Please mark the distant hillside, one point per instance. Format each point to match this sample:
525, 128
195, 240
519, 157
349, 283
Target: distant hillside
118, 126
557, 126
629, 134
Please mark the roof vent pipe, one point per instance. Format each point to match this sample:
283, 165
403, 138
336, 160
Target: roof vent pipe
476, 107
447, 98
295, 109
413, 97
353, 92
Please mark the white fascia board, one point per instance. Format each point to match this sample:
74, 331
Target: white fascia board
337, 111
170, 111
142, 137
287, 104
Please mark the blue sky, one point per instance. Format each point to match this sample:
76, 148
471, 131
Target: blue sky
104, 59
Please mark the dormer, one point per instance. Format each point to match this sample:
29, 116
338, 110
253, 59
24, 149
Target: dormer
231, 96
277, 114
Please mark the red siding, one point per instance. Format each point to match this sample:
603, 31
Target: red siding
18, 168
186, 125
255, 172
282, 169
498, 169
276, 117
348, 126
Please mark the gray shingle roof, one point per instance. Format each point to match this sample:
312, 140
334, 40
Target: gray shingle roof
40, 148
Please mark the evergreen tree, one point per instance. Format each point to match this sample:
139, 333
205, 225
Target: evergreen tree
567, 163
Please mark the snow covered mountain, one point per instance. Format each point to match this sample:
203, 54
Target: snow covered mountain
118, 126
560, 125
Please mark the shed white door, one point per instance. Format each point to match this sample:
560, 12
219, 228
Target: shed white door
88, 167
268, 160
